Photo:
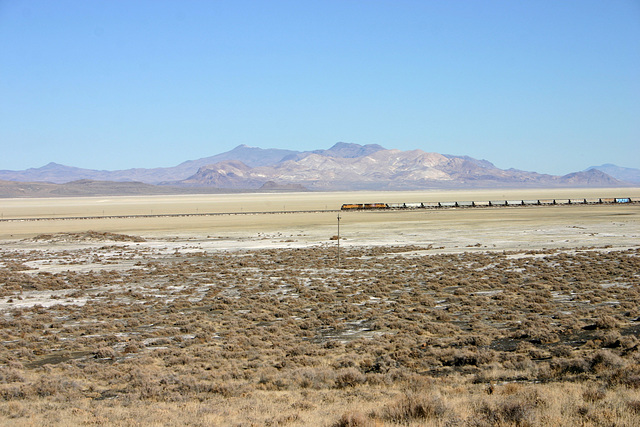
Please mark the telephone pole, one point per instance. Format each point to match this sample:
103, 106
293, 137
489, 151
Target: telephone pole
338, 240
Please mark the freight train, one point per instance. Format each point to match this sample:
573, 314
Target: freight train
538, 202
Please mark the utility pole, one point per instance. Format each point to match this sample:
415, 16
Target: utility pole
338, 240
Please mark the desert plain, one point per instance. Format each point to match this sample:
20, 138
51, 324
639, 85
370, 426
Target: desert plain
242, 309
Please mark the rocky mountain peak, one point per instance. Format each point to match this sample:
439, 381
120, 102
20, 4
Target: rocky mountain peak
344, 166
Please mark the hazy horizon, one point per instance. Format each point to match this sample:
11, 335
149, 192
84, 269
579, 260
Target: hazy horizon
266, 148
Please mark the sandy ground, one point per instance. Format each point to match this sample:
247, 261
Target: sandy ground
449, 230
271, 202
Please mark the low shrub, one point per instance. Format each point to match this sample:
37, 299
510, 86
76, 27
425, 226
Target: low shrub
412, 407
353, 419
349, 377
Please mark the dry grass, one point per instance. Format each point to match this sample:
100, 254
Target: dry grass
122, 334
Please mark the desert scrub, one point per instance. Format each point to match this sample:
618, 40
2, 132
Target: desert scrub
284, 327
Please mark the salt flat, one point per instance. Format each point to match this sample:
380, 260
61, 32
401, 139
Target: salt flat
271, 202
447, 230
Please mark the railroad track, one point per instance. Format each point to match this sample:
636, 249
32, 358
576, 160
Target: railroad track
356, 207
174, 215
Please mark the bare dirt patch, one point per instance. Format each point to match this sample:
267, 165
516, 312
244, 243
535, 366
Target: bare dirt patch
88, 236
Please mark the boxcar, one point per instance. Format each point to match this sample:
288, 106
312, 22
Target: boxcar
413, 205
430, 204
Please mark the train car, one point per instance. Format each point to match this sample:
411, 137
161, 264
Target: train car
396, 205
352, 206
468, 204
375, 206
413, 205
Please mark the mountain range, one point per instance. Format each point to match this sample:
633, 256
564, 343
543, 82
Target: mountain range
344, 166
623, 174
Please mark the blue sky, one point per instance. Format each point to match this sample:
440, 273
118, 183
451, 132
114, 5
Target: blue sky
550, 86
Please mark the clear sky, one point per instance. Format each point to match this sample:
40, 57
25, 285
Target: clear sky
548, 86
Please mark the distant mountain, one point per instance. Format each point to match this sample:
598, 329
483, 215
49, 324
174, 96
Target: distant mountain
344, 166
59, 174
623, 174
250, 156
385, 170
349, 151
590, 178
51, 172
341, 150
227, 174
